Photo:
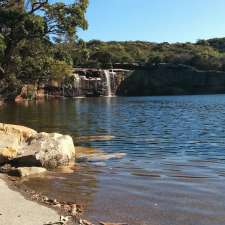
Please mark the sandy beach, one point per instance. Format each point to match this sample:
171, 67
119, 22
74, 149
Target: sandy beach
16, 210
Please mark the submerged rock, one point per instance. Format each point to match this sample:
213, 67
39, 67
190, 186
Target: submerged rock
100, 157
95, 138
88, 154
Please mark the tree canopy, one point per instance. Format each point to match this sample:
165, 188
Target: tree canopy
29, 30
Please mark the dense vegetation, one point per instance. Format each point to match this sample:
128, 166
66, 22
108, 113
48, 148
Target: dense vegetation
38, 42
204, 55
31, 34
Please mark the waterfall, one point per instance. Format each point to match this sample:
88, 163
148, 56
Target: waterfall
113, 80
108, 83
76, 84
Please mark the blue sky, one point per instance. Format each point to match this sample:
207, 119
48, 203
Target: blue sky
155, 20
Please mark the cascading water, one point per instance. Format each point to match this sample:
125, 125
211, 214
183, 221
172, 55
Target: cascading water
108, 83
76, 85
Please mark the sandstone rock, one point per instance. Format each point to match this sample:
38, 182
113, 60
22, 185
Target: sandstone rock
47, 150
7, 154
9, 141
100, 157
19, 132
27, 171
26, 147
19, 99
28, 92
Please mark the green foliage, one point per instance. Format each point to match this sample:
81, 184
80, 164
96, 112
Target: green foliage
2, 47
204, 55
59, 69
27, 30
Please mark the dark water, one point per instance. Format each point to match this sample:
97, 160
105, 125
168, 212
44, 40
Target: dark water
174, 171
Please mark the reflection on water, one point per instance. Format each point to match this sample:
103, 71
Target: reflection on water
174, 171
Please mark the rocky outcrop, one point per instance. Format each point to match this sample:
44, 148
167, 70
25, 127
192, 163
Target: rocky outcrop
170, 79
22, 146
30, 92
86, 82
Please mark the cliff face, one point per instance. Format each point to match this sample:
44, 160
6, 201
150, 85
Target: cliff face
167, 79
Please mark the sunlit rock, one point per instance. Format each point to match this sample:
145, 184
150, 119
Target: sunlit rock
27, 171
7, 154
25, 147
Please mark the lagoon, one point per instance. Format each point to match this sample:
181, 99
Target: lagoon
174, 168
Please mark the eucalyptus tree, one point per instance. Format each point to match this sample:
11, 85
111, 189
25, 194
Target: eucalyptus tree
31, 21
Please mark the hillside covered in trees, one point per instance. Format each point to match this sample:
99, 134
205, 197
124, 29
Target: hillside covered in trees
38, 42
204, 54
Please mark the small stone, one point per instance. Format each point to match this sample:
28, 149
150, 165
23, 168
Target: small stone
44, 199
27, 171
74, 210
7, 154
66, 208
6, 168
64, 218
57, 205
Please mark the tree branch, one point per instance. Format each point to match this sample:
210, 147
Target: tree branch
37, 5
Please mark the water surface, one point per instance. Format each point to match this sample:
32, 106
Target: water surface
174, 171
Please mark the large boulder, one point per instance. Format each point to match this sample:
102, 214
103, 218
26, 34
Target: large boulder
22, 146
46, 150
11, 139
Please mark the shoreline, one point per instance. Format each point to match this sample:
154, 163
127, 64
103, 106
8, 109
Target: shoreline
61, 215
53, 213
28, 199
25, 211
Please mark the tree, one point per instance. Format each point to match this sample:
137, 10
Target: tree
103, 57
35, 20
